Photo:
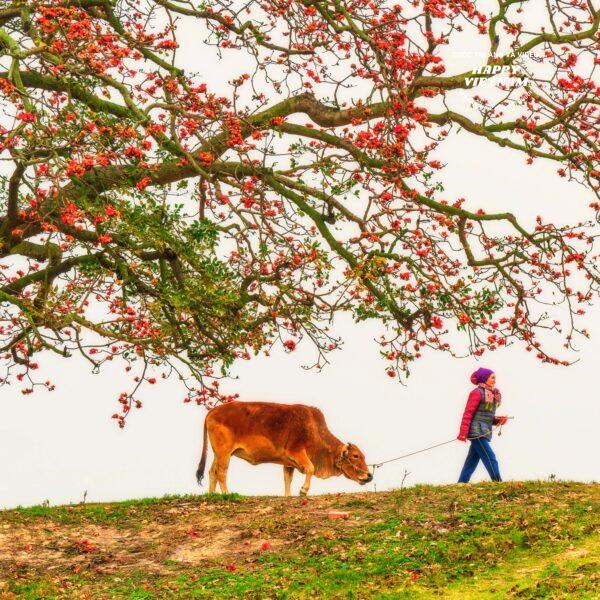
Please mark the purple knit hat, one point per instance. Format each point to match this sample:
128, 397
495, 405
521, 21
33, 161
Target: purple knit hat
481, 375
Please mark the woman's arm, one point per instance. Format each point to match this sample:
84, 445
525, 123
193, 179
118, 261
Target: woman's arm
498, 398
472, 404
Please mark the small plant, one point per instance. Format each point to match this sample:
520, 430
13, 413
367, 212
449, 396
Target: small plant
229, 497
404, 476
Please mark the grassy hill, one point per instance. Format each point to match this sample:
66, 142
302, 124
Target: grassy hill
522, 540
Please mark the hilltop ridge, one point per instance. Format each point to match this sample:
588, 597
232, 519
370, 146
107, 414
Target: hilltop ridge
514, 539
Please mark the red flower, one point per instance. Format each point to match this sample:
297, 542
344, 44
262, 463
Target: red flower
132, 152
143, 183
165, 44
87, 546
437, 322
75, 169
27, 117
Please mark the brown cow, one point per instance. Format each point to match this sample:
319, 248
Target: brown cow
292, 435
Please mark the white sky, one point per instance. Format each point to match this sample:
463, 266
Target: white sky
57, 446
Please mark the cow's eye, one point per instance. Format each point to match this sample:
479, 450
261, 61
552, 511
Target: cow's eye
355, 455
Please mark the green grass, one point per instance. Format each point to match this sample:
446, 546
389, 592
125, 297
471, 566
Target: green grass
521, 540
124, 512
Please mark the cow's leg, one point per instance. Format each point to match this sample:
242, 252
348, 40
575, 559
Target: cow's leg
306, 467
288, 473
212, 477
221, 441
222, 466
306, 485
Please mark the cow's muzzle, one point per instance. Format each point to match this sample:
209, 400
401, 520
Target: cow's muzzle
366, 479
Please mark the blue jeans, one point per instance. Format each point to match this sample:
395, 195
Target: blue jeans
480, 450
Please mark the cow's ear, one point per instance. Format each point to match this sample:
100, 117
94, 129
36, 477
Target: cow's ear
343, 455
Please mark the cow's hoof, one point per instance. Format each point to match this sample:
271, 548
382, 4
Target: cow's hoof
303, 493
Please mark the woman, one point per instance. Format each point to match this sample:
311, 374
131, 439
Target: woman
477, 422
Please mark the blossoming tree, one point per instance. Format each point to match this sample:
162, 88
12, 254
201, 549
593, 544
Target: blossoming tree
149, 217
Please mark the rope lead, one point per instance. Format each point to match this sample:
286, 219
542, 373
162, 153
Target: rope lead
377, 465
380, 464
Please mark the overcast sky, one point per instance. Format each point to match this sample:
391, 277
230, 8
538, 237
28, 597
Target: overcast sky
57, 446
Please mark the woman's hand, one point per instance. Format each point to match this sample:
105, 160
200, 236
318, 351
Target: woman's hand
462, 437
500, 420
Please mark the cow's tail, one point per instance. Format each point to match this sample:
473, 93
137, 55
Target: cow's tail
202, 463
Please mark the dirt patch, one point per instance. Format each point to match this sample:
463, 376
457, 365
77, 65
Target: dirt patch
223, 545
187, 534
575, 553
53, 549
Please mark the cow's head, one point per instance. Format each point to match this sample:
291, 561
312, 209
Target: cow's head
351, 461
